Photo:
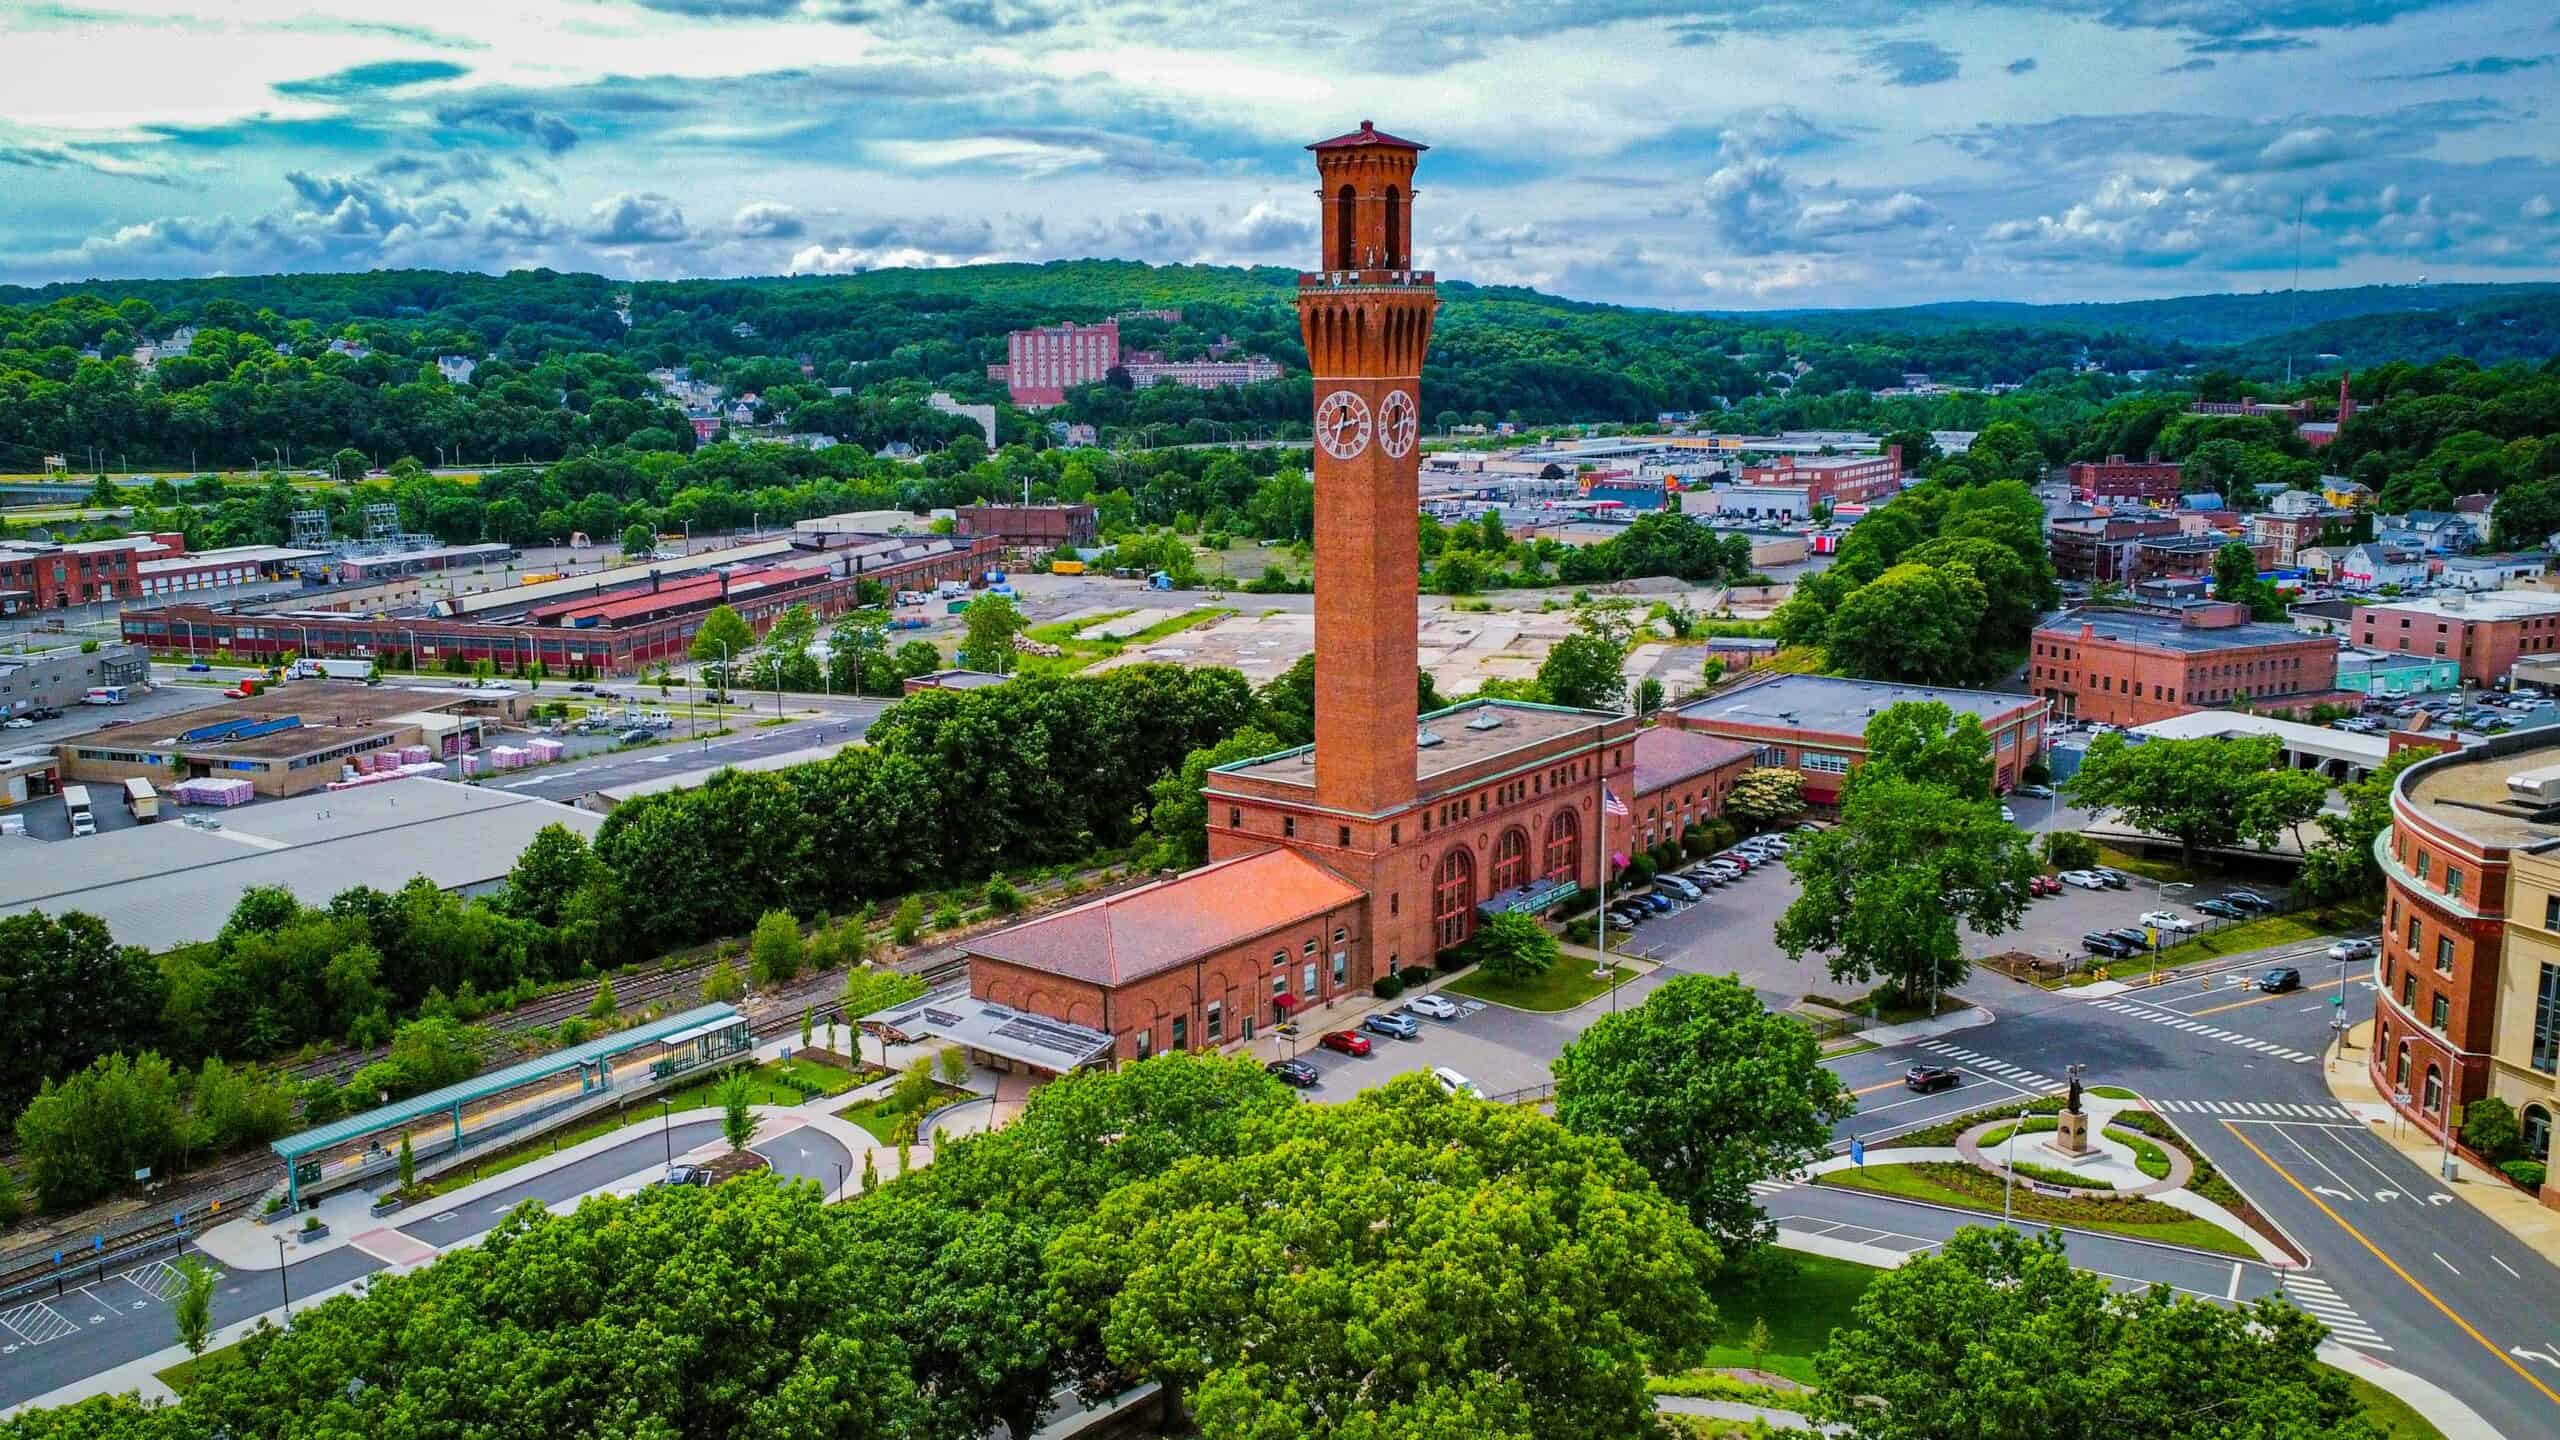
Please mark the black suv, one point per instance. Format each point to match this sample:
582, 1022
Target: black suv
1294, 1072
1926, 1078
2101, 942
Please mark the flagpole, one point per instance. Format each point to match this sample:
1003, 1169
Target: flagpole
1604, 884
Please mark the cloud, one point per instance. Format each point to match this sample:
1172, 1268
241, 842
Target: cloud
2302, 149
629, 219
2249, 45
429, 172
517, 222
2538, 207
724, 9
2021, 65
549, 131
2190, 67
1754, 207
767, 221
2485, 66
97, 160
381, 75
1910, 62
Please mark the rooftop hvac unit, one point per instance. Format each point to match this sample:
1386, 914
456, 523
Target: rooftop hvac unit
2539, 786
1485, 720
1425, 738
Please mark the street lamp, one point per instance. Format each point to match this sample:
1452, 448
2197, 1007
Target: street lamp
285, 1283
666, 1130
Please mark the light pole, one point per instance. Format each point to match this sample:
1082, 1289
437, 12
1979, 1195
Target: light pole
283, 1282
666, 1130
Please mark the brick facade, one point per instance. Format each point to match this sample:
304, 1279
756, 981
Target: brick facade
2443, 928
2120, 678
2486, 635
2142, 482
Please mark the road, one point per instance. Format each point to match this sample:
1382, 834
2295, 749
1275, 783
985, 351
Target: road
103, 1321
570, 779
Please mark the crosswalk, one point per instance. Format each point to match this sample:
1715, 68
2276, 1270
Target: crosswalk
2001, 1069
2319, 1299
1766, 1188
2209, 1032
2260, 1110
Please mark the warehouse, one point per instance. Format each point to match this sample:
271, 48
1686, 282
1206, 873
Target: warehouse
292, 739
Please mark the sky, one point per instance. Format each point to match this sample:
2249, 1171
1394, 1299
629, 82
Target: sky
1731, 154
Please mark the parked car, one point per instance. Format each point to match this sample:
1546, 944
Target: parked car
2085, 879
2249, 900
1349, 1042
1679, 887
686, 1175
1623, 918
1705, 877
2044, 885
2008, 815
2352, 950
2134, 936
19, 722
2113, 879
1659, 903
2223, 908
2168, 920
2035, 792
2102, 942
1293, 1072
637, 735
1438, 1007
2280, 980
1727, 868
1739, 859
1455, 1083
1929, 1078
1393, 1022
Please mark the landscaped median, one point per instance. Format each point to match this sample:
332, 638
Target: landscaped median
2144, 1182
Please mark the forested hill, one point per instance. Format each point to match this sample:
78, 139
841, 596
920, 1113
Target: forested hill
2392, 320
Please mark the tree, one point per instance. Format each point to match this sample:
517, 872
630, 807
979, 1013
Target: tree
2489, 1126
991, 623
2069, 850
1927, 742
775, 947
1582, 671
1765, 794
1914, 622
737, 1117
1286, 705
723, 983
955, 1065
1360, 1300
69, 993
1996, 1334
1179, 818
1709, 1092
84, 1135
1513, 946
192, 1306
808, 1024
605, 1005
408, 1162
723, 638
639, 540
2342, 865
2207, 793
1884, 890
1649, 695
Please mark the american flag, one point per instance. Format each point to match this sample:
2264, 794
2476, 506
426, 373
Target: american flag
1610, 802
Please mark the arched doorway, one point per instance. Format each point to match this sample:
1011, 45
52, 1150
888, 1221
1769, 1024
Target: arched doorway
2537, 1133
1395, 228
1346, 229
1564, 847
1453, 899
1511, 860
2432, 1101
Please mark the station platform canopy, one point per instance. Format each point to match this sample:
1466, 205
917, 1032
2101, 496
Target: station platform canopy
685, 1028
1035, 1042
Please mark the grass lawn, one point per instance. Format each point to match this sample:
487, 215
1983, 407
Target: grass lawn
2389, 1413
1966, 1188
1567, 983
881, 1119
186, 1374
2143, 865
1068, 635
2149, 1158
1802, 1308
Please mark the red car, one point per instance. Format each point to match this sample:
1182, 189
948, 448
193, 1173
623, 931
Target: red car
1349, 1042
2044, 885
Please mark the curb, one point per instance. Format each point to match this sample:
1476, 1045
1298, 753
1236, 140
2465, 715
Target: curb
1987, 1218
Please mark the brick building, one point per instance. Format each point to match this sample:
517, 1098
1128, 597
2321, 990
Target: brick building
1681, 777
2286, 535
41, 575
2105, 547
2132, 667
2486, 633
2116, 479
1834, 479
1817, 724
1040, 527
1041, 365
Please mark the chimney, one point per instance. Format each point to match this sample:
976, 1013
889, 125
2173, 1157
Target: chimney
2088, 632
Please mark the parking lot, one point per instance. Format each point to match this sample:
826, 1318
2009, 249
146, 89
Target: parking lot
140, 1292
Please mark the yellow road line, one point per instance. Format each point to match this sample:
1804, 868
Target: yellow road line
2261, 1000
1870, 1090
2429, 1295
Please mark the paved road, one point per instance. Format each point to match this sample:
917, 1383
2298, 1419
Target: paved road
101, 1321
571, 779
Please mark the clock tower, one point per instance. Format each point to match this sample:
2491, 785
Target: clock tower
1367, 320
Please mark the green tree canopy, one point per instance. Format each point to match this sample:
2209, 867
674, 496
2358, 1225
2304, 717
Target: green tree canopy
2206, 793
1883, 891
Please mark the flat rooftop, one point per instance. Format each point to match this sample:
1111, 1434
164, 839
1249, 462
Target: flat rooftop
2490, 605
2469, 796
231, 555
2169, 632
167, 884
1831, 705
328, 708
1459, 737
2368, 751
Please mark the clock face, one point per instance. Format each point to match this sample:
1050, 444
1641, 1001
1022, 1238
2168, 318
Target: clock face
1342, 424
1396, 424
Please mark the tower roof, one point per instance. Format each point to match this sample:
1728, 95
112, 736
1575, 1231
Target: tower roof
1368, 134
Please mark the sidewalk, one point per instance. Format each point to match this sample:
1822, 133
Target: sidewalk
2534, 1224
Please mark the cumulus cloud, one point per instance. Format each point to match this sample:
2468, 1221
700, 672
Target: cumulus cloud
724, 9
1753, 207
518, 222
2299, 149
1910, 62
629, 219
2538, 207
765, 220
1274, 227
549, 131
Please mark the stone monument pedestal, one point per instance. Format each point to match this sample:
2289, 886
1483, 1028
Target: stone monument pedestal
2071, 1138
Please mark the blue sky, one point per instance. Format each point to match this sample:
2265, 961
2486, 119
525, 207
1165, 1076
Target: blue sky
1731, 154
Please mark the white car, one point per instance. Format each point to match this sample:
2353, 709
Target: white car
19, 723
2082, 878
2352, 950
1436, 1006
2168, 920
1455, 1083
2008, 815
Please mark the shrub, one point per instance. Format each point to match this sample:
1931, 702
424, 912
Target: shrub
2489, 1127
1581, 932
2069, 850
1414, 974
1002, 898
1640, 869
1514, 947
1386, 987
2527, 1173
1453, 960
776, 947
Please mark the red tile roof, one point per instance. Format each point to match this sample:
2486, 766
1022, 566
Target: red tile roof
1142, 932
1367, 134
1665, 756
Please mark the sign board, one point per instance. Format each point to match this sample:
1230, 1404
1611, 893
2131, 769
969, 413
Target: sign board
142, 1174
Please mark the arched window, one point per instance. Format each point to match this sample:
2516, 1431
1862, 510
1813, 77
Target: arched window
1564, 846
2434, 1096
2537, 1133
1395, 228
2400, 1068
1511, 860
1346, 230
1453, 898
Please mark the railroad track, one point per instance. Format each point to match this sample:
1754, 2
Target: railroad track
231, 1184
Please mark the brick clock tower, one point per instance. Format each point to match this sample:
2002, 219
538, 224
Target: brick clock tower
1367, 320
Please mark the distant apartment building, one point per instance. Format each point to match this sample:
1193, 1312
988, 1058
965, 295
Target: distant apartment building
2132, 667
1832, 479
1202, 374
2192, 556
1042, 365
2287, 535
2105, 547
2485, 634
2116, 480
